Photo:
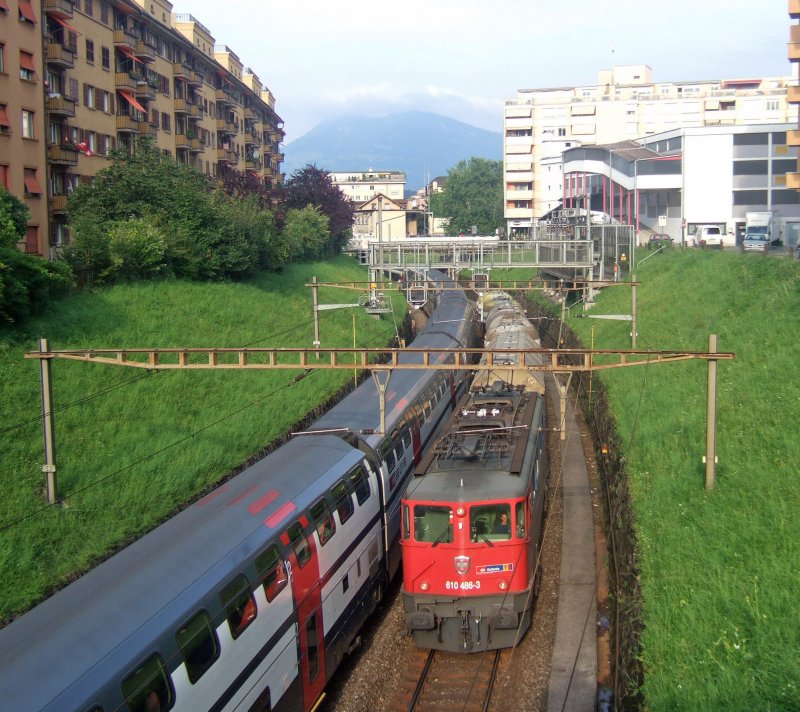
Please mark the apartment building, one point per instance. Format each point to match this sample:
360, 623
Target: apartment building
625, 104
362, 186
92, 75
793, 95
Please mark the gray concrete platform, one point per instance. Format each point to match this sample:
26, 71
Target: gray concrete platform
573, 674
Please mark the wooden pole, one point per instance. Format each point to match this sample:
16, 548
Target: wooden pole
711, 420
633, 311
49, 467
315, 297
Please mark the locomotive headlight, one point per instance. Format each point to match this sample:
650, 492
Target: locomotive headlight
461, 511
503, 584
424, 586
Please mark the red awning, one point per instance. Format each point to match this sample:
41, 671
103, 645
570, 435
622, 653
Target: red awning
32, 183
3, 5
26, 61
3, 115
128, 94
129, 54
64, 23
26, 11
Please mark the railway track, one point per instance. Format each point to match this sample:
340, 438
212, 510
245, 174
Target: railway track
436, 680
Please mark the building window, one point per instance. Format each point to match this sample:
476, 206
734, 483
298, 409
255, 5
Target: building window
27, 69
104, 13
88, 96
32, 187
90, 51
5, 124
88, 7
165, 121
28, 124
106, 58
772, 104
562, 132
2, 59
4, 177
26, 12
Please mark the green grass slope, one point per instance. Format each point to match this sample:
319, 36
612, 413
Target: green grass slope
131, 447
720, 569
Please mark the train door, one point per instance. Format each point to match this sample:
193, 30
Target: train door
308, 601
416, 435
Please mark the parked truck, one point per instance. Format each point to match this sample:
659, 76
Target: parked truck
757, 231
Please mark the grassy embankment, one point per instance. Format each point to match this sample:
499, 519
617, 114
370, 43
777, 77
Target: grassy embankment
131, 447
720, 569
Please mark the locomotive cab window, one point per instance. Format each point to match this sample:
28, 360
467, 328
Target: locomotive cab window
239, 605
323, 521
299, 544
490, 522
344, 503
521, 533
149, 688
433, 523
272, 572
199, 646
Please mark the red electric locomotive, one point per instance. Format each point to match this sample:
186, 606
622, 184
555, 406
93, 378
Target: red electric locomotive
473, 514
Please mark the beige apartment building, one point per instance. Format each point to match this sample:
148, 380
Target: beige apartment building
625, 104
793, 96
79, 78
362, 186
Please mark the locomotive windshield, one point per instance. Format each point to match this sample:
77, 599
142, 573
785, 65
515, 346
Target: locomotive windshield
433, 523
490, 522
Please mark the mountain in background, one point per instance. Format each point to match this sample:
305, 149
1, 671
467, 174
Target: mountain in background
421, 144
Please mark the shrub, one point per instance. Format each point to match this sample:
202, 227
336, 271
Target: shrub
137, 249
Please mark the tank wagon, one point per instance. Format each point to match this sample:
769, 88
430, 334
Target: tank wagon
473, 513
249, 598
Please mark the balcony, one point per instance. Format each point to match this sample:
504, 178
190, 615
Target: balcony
62, 154
223, 96
794, 9
194, 79
184, 106
793, 95
123, 80
144, 91
197, 146
58, 203
60, 8
279, 157
182, 141
252, 164
125, 38
226, 127
793, 181
59, 55
225, 155
145, 128
793, 137
59, 105
267, 171
127, 124
144, 52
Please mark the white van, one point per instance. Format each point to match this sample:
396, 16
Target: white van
708, 236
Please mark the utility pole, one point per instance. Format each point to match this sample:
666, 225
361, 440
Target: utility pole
49, 467
711, 419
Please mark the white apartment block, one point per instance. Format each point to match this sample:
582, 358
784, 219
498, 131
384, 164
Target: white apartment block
626, 104
363, 186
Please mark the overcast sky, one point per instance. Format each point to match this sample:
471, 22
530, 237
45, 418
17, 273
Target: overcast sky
463, 58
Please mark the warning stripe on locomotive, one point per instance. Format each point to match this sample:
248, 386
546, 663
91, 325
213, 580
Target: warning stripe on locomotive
494, 568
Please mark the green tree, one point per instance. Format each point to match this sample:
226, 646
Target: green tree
306, 232
473, 195
137, 249
312, 186
14, 216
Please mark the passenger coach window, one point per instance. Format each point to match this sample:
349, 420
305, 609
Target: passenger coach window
199, 645
299, 544
433, 523
149, 688
323, 521
344, 503
360, 483
239, 605
272, 572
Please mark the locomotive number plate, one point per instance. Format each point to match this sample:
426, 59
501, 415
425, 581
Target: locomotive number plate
462, 585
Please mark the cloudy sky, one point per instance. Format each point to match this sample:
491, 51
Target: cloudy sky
463, 58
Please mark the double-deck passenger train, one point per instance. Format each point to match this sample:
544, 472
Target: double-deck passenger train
249, 598
473, 514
